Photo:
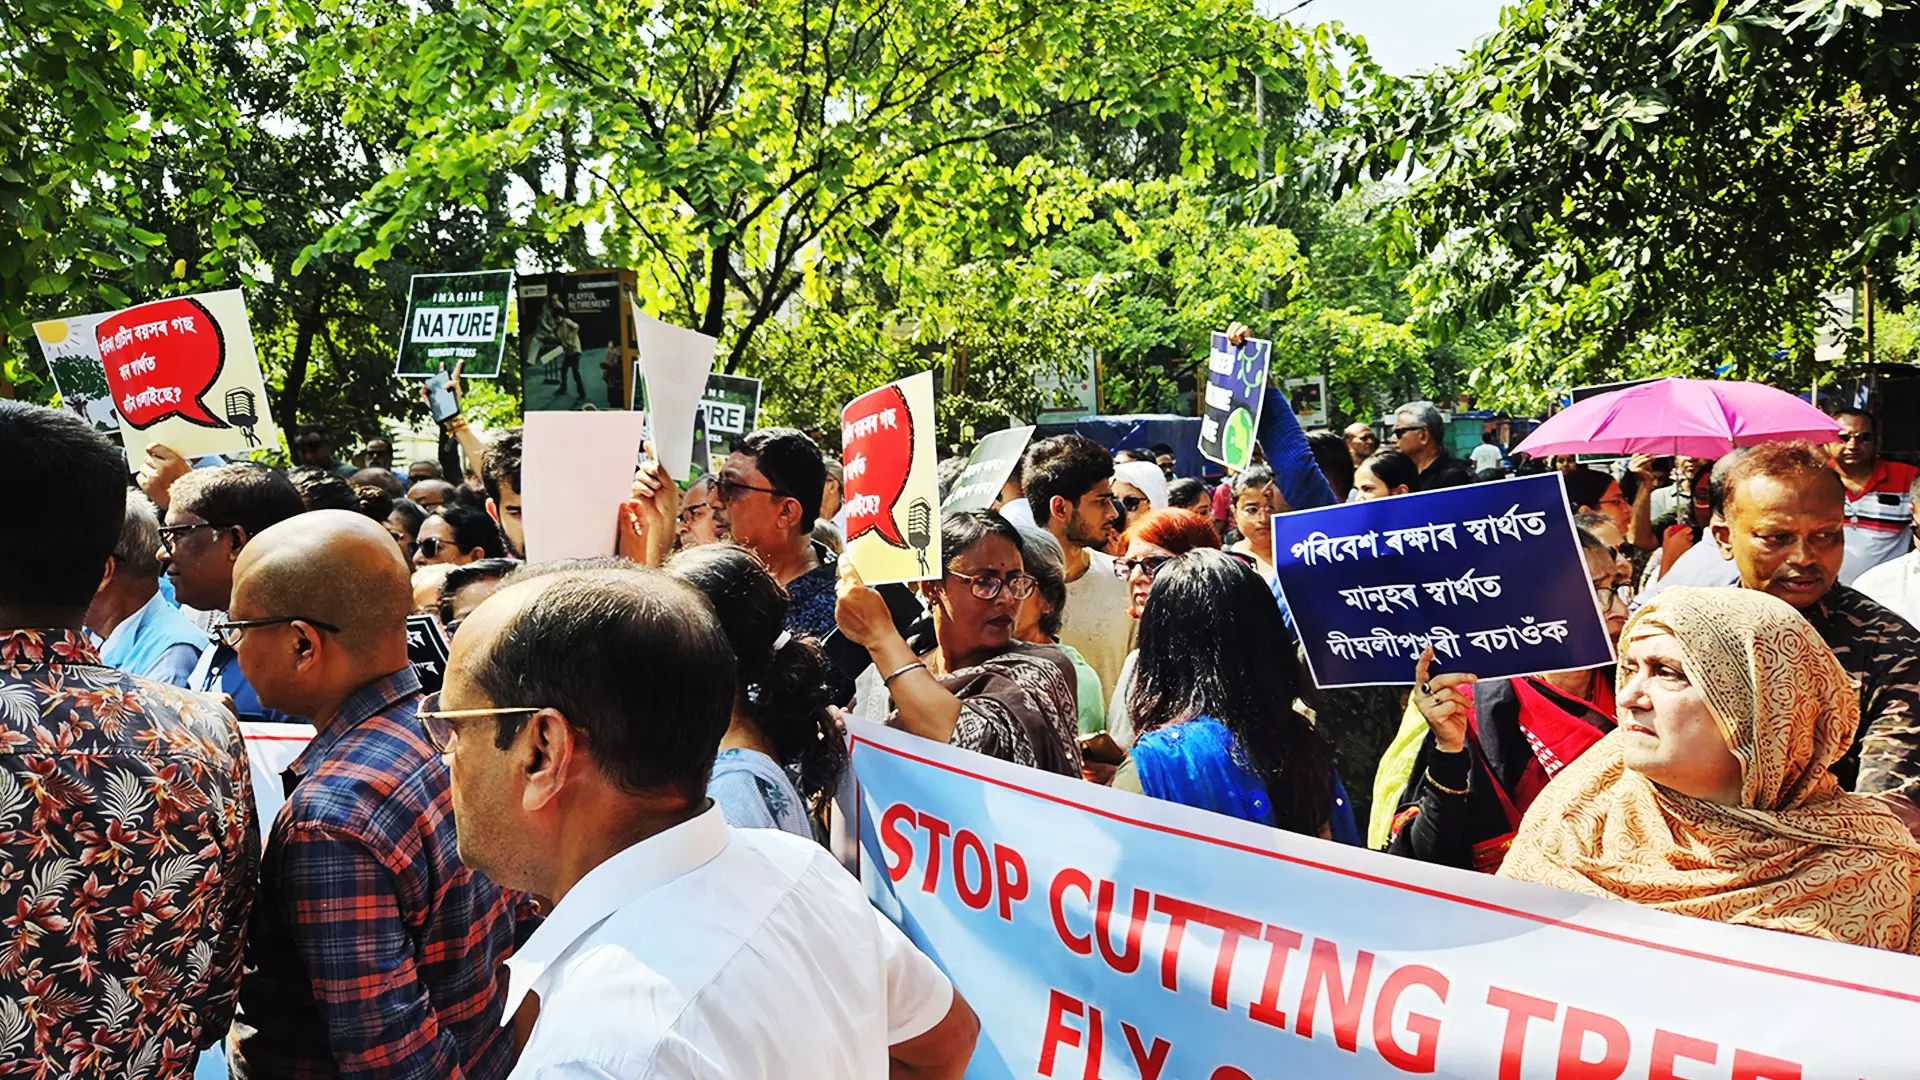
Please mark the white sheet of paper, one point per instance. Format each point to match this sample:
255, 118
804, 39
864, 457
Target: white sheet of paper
676, 362
576, 468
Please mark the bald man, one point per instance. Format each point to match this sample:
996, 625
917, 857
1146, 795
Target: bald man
1361, 441
433, 494
372, 949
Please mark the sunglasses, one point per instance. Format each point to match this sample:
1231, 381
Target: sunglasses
1399, 431
432, 546
1018, 584
443, 727
730, 491
1130, 503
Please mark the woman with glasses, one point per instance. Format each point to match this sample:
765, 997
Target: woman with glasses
1219, 726
403, 524
1139, 488
458, 535
1151, 543
1256, 498
1472, 755
978, 687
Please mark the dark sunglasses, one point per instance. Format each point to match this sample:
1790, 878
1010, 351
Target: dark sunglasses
430, 547
1131, 504
1399, 431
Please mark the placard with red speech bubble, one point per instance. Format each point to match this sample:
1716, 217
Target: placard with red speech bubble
892, 493
183, 373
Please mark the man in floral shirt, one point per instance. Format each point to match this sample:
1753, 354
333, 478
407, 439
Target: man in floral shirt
128, 849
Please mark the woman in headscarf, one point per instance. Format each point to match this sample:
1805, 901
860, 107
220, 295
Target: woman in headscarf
1714, 798
978, 688
1139, 488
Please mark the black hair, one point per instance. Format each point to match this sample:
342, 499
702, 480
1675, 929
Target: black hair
412, 513
1161, 448
1130, 454
471, 574
1187, 493
792, 464
1335, 458
1247, 679
65, 490
373, 501
1392, 468
1256, 476
783, 683
466, 494
384, 479
636, 662
474, 529
501, 463
253, 497
1861, 413
1586, 487
961, 529
1067, 466
322, 490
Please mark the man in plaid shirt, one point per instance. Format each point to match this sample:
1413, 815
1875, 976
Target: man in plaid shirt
373, 951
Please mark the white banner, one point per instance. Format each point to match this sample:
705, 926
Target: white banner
1105, 935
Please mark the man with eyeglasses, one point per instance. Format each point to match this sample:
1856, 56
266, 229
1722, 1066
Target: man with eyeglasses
212, 514
135, 869
766, 500
1879, 511
1421, 433
373, 950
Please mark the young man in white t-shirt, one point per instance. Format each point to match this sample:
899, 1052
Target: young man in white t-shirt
1068, 480
580, 718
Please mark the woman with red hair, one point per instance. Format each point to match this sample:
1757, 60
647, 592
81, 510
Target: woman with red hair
1149, 543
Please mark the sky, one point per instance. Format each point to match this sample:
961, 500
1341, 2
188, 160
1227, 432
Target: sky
1405, 36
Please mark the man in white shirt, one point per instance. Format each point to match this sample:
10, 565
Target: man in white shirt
1068, 480
580, 718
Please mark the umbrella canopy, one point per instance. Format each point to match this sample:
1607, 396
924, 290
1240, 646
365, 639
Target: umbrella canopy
1701, 418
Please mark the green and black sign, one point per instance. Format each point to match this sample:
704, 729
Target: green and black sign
456, 319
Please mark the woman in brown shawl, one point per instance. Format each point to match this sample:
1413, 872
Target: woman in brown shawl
1713, 798
978, 688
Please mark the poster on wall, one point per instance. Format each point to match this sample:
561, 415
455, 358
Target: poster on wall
576, 341
456, 320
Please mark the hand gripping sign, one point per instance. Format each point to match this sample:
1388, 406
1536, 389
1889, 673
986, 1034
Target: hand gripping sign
886, 435
183, 372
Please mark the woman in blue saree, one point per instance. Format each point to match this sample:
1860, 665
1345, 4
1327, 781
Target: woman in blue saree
1213, 700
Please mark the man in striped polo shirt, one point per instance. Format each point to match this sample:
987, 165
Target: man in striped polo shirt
1879, 510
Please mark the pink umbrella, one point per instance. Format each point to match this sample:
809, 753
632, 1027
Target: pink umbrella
1701, 418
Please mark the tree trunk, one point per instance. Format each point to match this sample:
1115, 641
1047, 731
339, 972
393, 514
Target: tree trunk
309, 324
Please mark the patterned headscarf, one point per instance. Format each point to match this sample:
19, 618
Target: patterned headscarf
1799, 853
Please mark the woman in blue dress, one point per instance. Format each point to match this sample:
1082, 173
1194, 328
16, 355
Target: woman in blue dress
781, 759
1213, 700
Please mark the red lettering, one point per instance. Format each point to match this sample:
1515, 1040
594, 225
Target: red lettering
1096, 1048
1521, 1010
1232, 928
1228, 1072
1057, 1033
896, 842
937, 830
1267, 1009
1325, 972
1614, 1045
1009, 878
1056, 893
1425, 1029
963, 842
1177, 913
1748, 1065
1127, 961
1669, 1047
1149, 1063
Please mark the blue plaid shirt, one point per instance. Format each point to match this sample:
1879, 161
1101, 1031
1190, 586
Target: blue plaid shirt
373, 951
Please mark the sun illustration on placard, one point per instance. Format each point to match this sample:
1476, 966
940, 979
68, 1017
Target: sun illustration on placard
53, 333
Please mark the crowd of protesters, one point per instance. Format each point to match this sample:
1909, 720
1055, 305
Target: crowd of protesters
474, 882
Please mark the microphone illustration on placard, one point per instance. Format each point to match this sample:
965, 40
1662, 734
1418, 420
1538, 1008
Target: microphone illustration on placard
920, 530
243, 413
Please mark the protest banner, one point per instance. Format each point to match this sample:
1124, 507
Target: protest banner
1309, 398
674, 362
427, 651
732, 405
887, 447
1236, 386
576, 341
73, 356
993, 460
184, 374
456, 319
1371, 584
575, 471
1103, 934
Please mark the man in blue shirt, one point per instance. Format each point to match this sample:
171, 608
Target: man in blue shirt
144, 634
211, 514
